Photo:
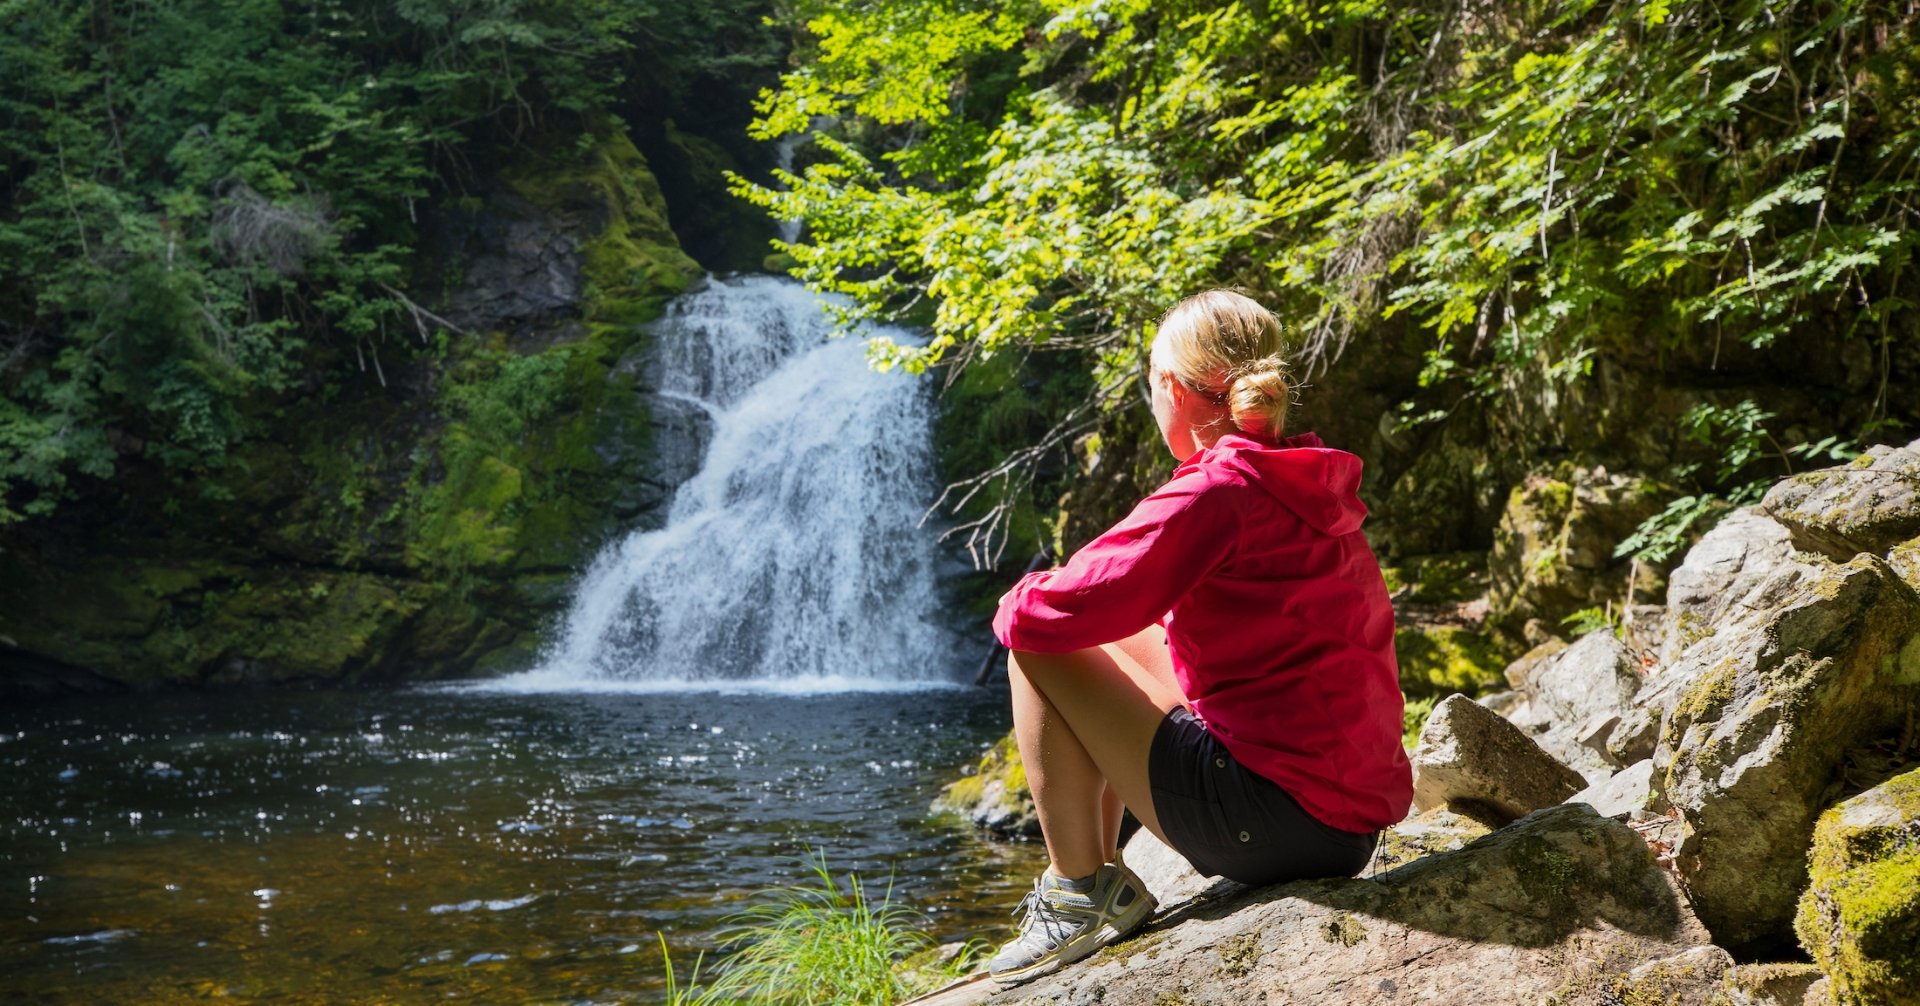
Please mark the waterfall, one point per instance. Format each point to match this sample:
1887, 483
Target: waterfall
791, 560
789, 230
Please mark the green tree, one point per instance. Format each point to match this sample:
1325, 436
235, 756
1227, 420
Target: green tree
1530, 185
203, 204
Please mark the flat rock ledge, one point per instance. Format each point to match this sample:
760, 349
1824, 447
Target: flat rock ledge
1563, 906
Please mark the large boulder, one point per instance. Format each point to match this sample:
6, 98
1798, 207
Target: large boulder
1624, 794
1174, 881
1719, 571
1470, 760
1169, 877
1860, 917
1752, 750
1575, 699
1870, 505
1638, 731
1424, 834
1564, 906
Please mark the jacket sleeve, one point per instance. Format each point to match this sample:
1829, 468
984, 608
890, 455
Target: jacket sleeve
1129, 577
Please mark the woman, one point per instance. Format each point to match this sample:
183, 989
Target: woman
1220, 661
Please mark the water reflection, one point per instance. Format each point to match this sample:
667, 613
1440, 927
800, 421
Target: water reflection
417, 845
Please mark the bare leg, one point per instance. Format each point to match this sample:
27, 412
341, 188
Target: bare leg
1112, 809
1084, 722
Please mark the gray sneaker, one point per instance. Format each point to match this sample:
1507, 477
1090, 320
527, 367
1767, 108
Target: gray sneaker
1061, 926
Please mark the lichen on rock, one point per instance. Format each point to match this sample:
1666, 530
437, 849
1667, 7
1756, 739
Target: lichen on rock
1868, 506
1562, 906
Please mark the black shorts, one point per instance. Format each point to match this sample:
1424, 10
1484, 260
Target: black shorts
1231, 822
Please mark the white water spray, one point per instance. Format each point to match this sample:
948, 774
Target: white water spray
791, 560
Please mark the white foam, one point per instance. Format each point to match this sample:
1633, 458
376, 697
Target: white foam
546, 681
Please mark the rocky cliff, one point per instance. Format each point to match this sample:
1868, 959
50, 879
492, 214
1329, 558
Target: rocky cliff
420, 516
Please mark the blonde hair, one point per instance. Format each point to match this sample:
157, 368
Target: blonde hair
1226, 346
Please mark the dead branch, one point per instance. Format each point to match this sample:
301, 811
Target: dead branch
421, 315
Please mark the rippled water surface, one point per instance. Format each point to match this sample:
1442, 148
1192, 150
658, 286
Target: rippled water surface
433, 844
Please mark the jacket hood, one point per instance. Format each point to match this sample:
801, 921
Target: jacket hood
1320, 484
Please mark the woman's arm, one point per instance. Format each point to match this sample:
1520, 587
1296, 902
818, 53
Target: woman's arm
1130, 576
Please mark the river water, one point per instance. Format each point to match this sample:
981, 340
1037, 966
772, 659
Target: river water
769, 675
418, 845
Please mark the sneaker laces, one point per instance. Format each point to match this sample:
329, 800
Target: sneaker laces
1035, 909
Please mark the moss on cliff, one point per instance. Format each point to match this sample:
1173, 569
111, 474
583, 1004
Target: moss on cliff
630, 259
419, 523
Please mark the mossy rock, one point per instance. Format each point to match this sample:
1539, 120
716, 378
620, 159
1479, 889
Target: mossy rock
1437, 579
1440, 660
1553, 548
1860, 916
629, 256
1775, 982
1759, 743
1445, 499
994, 796
1905, 560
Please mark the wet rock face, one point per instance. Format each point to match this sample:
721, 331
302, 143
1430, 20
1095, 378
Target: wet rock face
1868, 506
1562, 906
1860, 916
1753, 747
520, 265
1473, 762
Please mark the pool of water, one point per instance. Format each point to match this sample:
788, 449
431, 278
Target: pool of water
427, 844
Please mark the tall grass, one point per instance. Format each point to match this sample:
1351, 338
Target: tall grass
692, 994
822, 943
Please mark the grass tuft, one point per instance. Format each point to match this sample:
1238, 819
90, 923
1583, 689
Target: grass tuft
823, 943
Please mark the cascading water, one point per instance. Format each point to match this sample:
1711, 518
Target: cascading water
791, 559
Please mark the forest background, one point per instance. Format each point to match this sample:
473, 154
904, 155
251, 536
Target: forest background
279, 401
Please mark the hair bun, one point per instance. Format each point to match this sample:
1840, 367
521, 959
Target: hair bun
1258, 395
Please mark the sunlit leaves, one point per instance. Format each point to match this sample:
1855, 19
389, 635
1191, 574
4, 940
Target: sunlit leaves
889, 62
1529, 185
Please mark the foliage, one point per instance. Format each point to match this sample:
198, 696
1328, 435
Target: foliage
205, 205
1588, 620
690, 994
1740, 433
1445, 659
820, 944
1531, 186
1413, 719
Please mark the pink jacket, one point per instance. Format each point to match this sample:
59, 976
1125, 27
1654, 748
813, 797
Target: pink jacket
1276, 614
